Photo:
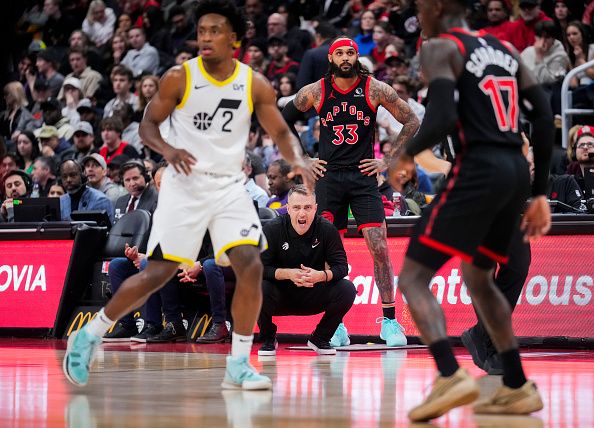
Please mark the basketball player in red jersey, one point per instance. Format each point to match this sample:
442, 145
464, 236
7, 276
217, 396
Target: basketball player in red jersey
346, 101
475, 216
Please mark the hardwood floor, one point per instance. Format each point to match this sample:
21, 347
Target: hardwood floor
179, 385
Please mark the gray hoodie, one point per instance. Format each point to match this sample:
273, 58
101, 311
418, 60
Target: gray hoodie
553, 66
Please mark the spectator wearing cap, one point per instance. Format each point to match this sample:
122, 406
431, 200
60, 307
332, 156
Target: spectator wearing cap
99, 23
44, 174
95, 169
394, 66
121, 80
88, 113
298, 41
90, 80
142, 57
16, 117
280, 62
72, 95
582, 156
51, 143
17, 184
52, 116
546, 58
113, 168
499, 24
141, 193
522, 34
47, 68
83, 140
111, 134
80, 197
315, 61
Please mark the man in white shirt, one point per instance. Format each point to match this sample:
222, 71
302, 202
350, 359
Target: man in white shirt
142, 57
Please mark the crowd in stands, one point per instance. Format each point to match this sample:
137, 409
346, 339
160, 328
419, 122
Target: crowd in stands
82, 72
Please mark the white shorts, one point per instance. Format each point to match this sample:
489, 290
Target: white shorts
190, 205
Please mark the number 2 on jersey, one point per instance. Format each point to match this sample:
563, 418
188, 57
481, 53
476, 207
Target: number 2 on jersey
494, 87
338, 131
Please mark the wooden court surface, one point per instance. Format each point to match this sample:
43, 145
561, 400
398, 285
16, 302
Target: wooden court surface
178, 385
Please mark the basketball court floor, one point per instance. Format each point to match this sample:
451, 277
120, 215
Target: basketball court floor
174, 385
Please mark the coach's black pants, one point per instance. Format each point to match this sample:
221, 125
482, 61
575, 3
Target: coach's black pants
510, 278
334, 299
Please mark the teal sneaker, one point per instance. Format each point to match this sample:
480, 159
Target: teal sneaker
341, 337
79, 356
392, 332
240, 374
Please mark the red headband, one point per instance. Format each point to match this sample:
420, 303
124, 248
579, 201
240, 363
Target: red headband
584, 130
341, 43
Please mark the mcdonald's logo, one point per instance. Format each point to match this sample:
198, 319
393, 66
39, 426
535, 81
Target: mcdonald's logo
81, 318
204, 323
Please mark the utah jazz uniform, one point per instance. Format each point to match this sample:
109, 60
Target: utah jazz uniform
476, 214
347, 135
212, 122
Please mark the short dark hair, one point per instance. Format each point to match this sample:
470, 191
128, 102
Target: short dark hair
131, 164
224, 8
326, 30
283, 166
545, 29
302, 190
122, 70
114, 123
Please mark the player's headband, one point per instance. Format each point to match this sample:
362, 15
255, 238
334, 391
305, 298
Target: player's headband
341, 43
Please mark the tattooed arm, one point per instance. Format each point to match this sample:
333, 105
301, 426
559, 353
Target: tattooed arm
383, 94
309, 96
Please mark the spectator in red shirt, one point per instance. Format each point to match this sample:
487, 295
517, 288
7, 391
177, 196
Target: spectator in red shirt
280, 63
500, 26
522, 34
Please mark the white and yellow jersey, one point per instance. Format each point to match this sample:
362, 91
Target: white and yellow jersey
213, 119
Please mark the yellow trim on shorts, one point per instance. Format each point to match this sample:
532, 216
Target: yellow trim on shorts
173, 258
188, 86
237, 244
215, 81
250, 101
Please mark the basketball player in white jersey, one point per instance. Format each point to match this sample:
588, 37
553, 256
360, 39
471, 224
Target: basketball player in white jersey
210, 100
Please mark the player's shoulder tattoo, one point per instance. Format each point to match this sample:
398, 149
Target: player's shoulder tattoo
382, 93
308, 96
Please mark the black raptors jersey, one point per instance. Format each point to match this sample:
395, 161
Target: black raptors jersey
347, 123
488, 103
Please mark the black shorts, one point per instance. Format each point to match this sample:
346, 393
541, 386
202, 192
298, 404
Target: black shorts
346, 186
476, 214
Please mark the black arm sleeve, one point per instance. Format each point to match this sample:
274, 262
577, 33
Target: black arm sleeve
440, 118
537, 109
292, 115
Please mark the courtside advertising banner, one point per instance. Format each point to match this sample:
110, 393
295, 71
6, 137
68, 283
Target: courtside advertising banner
557, 299
32, 275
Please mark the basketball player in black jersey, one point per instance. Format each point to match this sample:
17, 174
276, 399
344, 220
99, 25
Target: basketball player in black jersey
474, 217
346, 101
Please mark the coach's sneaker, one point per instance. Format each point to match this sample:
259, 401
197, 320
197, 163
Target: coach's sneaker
340, 337
240, 374
322, 347
80, 353
515, 401
447, 392
268, 348
392, 332
121, 333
